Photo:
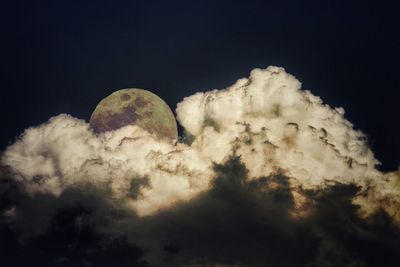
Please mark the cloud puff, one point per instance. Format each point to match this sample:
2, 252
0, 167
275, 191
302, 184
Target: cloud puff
64, 152
295, 129
264, 166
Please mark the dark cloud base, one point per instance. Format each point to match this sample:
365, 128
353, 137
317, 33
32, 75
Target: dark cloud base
237, 222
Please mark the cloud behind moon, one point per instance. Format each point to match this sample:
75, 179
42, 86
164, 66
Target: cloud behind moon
265, 162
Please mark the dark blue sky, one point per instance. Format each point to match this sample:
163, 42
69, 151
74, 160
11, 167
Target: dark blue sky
65, 56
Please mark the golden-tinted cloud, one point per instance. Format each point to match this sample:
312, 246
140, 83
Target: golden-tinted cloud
261, 154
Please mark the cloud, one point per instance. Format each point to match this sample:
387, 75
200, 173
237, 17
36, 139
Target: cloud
306, 137
265, 169
65, 153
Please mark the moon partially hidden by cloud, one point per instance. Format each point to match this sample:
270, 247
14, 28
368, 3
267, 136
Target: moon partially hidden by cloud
270, 171
134, 106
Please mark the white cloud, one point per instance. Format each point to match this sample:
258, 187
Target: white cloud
267, 119
64, 152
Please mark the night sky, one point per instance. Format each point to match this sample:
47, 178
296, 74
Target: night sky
306, 194
65, 56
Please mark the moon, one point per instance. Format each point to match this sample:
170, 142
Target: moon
135, 106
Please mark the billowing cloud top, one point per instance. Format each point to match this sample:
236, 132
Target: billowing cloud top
284, 126
266, 121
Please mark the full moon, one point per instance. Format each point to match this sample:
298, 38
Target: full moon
134, 106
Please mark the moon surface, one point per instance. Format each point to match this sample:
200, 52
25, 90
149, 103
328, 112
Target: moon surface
134, 106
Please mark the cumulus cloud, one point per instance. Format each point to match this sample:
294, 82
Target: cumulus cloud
265, 166
306, 137
141, 171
